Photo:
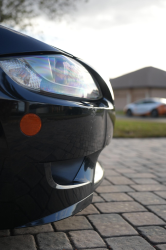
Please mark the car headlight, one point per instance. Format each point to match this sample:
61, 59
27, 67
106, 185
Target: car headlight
55, 74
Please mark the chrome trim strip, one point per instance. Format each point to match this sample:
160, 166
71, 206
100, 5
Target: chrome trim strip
99, 172
71, 186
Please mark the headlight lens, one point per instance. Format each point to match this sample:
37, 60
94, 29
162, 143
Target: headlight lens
56, 74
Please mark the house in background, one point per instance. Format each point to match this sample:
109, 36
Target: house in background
142, 83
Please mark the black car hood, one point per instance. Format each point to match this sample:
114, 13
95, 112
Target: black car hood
12, 42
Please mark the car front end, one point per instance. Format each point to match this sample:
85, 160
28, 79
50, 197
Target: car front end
50, 134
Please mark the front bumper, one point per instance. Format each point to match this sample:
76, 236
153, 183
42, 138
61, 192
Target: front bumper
49, 176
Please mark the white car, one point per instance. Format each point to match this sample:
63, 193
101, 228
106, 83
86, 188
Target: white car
147, 107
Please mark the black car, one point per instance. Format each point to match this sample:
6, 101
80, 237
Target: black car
56, 115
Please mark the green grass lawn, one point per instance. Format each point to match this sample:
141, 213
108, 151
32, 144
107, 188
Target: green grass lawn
139, 129
120, 112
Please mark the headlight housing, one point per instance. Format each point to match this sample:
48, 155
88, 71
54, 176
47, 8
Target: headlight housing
56, 74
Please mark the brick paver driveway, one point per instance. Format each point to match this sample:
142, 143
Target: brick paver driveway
128, 211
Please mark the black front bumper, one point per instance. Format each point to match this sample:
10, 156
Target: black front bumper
50, 176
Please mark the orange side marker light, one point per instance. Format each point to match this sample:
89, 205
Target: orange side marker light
30, 124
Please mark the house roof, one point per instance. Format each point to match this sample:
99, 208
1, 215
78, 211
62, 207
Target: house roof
148, 77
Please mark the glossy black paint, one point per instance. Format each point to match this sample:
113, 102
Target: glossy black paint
72, 210
50, 174
13, 42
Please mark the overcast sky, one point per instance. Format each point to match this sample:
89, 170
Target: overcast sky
114, 36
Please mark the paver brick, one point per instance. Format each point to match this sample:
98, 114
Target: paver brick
53, 241
125, 170
111, 225
105, 183
4, 233
145, 181
161, 194
149, 187
119, 180
110, 172
116, 197
20, 242
86, 238
154, 234
114, 189
147, 198
161, 174
143, 219
139, 175
89, 210
97, 198
160, 210
161, 247
129, 243
34, 230
96, 249
72, 223
120, 207
161, 179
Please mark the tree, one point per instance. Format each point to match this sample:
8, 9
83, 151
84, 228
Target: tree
21, 12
